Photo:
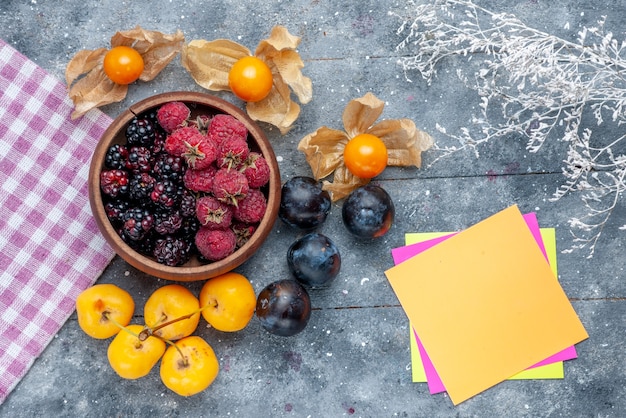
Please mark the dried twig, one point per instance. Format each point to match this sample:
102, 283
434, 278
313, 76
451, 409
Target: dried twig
537, 86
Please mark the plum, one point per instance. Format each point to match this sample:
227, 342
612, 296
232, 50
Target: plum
284, 307
303, 203
368, 212
314, 259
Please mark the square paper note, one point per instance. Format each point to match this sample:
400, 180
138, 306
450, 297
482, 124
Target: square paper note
485, 304
422, 368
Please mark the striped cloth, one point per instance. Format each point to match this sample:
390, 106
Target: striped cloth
50, 246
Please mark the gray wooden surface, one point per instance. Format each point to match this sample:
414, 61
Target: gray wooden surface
353, 359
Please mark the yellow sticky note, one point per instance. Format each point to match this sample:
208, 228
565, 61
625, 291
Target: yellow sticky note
485, 304
552, 370
418, 374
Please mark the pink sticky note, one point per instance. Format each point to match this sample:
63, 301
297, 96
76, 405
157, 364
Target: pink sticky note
435, 385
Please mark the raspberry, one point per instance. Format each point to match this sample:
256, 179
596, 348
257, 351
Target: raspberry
251, 208
215, 244
175, 141
188, 142
200, 180
226, 126
114, 182
138, 222
173, 115
243, 232
232, 152
139, 159
141, 186
202, 123
171, 251
229, 186
257, 170
116, 156
212, 213
200, 152
166, 223
140, 132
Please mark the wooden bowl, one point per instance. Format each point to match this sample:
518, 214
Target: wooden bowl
193, 270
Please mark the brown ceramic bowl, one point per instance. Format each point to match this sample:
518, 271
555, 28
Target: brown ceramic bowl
193, 270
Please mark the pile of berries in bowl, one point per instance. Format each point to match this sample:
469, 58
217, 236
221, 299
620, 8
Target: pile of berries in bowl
184, 186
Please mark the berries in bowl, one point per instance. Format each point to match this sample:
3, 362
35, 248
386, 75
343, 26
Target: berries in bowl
184, 186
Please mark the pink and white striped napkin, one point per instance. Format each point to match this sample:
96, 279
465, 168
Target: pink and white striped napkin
50, 246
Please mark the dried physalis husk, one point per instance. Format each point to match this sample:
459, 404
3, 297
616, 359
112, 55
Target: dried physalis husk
209, 63
323, 149
89, 87
344, 182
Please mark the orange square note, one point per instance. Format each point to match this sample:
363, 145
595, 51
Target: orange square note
485, 304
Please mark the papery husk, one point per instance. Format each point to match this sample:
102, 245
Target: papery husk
157, 49
209, 62
279, 39
83, 62
94, 90
88, 85
277, 108
405, 143
279, 49
360, 114
323, 150
278, 52
344, 182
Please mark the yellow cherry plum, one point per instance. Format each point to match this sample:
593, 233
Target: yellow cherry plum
228, 302
176, 304
133, 357
103, 310
189, 366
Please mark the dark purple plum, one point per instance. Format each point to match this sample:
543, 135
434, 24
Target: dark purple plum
368, 212
284, 307
314, 259
303, 203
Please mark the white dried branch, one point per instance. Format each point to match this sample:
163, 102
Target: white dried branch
534, 85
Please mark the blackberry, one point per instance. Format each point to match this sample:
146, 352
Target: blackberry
144, 246
114, 183
141, 186
167, 222
115, 210
138, 221
187, 204
116, 156
159, 142
169, 167
203, 260
188, 229
139, 159
140, 132
171, 251
151, 116
166, 194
